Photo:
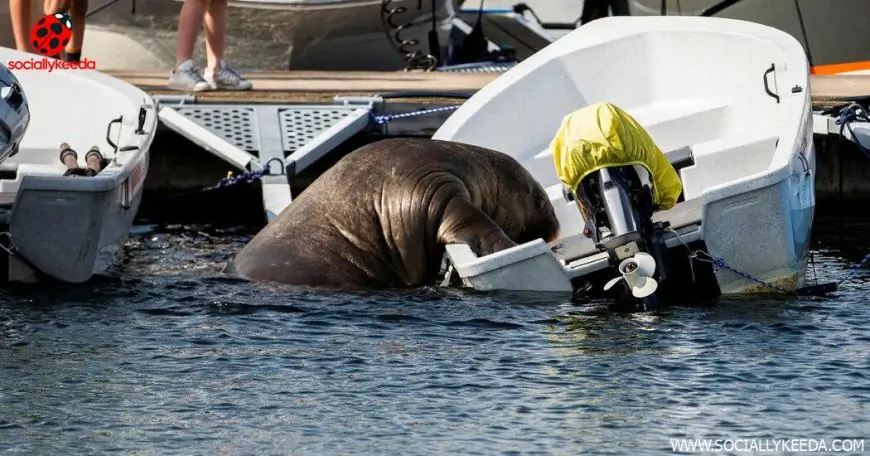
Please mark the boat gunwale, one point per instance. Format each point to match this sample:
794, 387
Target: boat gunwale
138, 145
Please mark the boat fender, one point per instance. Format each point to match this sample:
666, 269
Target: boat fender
94, 160
67, 153
70, 158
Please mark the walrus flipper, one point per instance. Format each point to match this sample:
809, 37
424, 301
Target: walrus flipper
464, 223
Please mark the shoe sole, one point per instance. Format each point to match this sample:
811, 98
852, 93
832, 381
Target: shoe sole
185, 88
230, 88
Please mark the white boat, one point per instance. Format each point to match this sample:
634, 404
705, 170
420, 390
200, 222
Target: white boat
69, 228
729, 103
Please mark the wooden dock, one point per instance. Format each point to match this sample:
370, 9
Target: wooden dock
319, 86
182, 173
834, 88
322, 86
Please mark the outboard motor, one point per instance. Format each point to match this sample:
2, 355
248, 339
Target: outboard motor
617, 204
618, 177
14, 113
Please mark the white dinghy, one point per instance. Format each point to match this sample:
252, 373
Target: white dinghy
727, 101
68, 221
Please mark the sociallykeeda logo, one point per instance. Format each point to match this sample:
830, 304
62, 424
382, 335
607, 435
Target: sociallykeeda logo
47, 64
49, 36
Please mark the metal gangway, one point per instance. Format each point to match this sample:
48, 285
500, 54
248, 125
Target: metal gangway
279, 140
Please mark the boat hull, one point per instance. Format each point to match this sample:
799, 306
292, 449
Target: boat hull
69, 228
743, 112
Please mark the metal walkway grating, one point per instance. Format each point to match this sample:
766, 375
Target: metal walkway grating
254, 136
482, 67
300, 125
235, 124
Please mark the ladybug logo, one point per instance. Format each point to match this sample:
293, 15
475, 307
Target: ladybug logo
51, 33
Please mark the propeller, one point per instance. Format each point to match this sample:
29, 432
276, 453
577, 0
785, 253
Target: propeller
637, 272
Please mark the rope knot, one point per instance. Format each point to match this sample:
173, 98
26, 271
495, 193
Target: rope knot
853, 112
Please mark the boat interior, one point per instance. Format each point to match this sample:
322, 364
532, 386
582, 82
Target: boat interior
709, 121
81, 124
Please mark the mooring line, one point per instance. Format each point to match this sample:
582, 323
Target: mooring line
853, 113
386, 118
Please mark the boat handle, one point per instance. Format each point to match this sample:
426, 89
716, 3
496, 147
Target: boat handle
766, 87
109, 132
126, 190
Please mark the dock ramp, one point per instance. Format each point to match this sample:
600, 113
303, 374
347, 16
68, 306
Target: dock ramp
279, 140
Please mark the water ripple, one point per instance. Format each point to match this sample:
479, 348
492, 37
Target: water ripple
168, 357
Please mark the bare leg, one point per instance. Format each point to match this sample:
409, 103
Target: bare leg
215, 32
218, 73
186, 75
189, 25
19, 10
77, 11
55, 6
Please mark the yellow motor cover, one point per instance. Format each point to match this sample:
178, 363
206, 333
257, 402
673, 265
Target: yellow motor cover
602, 135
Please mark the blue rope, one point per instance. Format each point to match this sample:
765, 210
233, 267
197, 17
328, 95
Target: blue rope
849, 114
719, 263
247, 177
855, 268
386, 118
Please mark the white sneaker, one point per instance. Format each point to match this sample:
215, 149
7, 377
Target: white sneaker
226, 78
187, 77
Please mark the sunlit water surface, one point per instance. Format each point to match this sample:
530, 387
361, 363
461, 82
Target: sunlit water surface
168, 358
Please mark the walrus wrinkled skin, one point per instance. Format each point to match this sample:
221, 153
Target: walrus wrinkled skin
381, 216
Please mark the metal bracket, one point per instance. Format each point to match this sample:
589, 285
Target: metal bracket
362, 102
167, 100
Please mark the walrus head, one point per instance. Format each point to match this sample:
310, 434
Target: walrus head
542, 222
523, 209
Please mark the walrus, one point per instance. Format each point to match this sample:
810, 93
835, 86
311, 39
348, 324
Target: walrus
380, 217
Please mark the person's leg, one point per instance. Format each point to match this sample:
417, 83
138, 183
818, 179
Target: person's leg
218, 73
56, 6
186, 75
19, 12
215, 32
77, 11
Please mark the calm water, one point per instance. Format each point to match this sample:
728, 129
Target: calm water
166, 359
